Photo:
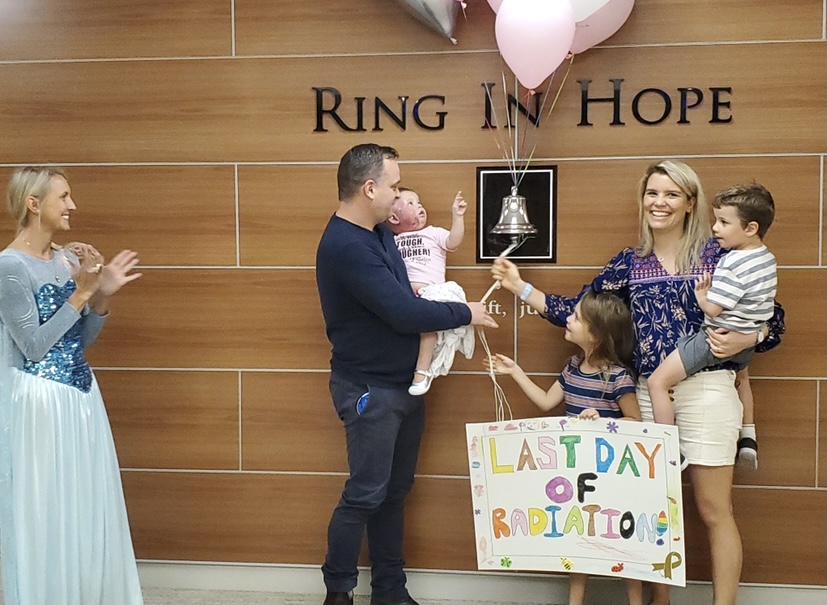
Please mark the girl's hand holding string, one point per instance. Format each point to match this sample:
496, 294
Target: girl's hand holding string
500, 364
507, 273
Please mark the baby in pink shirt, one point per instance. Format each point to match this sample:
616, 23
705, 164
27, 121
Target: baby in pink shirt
424, 250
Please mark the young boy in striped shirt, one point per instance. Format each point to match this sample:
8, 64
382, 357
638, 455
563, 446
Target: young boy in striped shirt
739, 296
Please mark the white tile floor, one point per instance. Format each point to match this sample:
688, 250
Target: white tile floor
166, 596
220, 597
156, 596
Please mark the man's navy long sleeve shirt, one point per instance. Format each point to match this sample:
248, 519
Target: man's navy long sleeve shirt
372, 317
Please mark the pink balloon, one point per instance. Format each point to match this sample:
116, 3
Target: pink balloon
534, 36
586, 8
495, 4
601, 24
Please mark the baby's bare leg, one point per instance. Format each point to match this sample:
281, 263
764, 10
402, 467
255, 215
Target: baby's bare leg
427, 342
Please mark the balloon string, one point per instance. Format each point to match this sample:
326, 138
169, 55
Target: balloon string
512, 165
553, 104
499, 138
559, 90
516, 125
500, 400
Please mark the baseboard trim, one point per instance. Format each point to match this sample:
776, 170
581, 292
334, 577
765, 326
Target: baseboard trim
505, 588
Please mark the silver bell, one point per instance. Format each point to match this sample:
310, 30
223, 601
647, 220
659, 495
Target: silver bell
513, 217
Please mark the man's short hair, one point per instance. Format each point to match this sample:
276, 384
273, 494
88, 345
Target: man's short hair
360, 164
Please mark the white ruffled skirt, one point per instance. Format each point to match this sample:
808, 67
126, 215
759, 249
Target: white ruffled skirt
63, 523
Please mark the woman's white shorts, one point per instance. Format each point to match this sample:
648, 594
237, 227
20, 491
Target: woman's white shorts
708, 415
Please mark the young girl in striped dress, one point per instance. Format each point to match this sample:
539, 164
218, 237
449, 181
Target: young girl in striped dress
599, 382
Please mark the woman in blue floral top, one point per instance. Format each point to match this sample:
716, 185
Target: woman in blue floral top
656, 280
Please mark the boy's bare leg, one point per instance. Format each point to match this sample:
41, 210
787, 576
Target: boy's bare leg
669, 373
748, 442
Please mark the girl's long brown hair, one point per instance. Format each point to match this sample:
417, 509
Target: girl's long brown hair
610, 324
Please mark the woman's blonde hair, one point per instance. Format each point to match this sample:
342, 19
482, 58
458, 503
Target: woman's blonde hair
26, 182
696, 228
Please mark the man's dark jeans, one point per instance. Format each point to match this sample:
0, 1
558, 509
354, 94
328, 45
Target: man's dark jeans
383, 439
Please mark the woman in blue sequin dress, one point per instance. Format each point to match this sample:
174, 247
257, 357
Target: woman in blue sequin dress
656, 280
64, 531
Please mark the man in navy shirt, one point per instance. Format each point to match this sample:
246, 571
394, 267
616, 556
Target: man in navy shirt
373, 320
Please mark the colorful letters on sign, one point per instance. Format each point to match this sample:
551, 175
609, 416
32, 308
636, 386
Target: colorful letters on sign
590, 496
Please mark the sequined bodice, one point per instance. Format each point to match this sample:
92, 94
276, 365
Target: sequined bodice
64, 362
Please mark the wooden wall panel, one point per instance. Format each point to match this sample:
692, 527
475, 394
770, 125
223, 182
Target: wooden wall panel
262, 518
172, 215
173, 420
152, 28
289, 423
804, 346
791, 104
786, 433
230, 517
821, 451
779, 548
283, 211
439, 531
276, 28
91, 29
175, 111
358, 26
656, 22
823, 202
216, 319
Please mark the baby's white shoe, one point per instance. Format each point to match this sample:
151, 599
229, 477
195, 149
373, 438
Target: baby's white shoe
421, 387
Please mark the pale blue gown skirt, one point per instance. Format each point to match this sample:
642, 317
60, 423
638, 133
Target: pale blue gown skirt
63, 522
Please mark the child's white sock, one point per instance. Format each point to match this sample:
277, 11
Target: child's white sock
748, 447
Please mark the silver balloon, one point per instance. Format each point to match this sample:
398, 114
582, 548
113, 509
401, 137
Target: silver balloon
439, 15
